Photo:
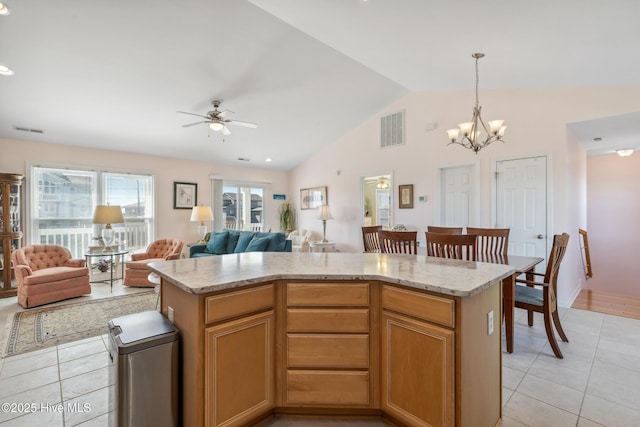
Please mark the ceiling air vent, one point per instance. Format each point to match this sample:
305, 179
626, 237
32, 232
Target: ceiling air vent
244, 159
392, 130
24, 129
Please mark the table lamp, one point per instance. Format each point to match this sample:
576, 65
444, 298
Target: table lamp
106, 214
202, 214
325, 214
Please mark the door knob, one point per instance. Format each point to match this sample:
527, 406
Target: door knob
540, 236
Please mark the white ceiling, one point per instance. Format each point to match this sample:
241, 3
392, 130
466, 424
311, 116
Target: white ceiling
113, 74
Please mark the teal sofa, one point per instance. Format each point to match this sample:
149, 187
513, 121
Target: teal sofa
234, 241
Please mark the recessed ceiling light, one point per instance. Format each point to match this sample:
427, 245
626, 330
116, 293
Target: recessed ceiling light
625, 152
4, 10
597, 139
268, 160
5, 71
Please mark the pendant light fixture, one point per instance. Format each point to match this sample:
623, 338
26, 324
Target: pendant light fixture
474, 134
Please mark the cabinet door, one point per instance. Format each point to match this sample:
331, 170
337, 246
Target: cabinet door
417, 371
239, 365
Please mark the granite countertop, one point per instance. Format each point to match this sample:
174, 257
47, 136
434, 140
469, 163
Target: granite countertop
222, 272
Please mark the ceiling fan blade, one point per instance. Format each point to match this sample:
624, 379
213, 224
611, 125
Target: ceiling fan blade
226, 131
193, 114
196, 123
245, 124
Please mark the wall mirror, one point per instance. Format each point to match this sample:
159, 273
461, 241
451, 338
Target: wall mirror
377, 200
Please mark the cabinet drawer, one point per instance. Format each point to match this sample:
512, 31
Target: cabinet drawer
422, 306
238, 303
327, 387
327, 294
327, 351
328, 320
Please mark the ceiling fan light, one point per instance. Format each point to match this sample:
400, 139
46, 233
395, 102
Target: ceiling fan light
216, 126
4, 10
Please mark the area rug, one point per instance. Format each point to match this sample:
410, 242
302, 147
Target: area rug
48, 326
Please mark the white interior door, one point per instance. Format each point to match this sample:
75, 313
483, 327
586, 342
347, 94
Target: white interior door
456, 196
521, 204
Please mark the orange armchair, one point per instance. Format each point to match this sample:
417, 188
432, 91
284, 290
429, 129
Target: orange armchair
136, 270
47, 273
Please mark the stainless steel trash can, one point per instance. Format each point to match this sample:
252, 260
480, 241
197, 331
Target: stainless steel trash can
143, 353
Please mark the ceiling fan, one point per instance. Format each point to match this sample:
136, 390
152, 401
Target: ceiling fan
217, 120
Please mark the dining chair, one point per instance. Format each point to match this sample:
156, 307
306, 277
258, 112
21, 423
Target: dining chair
444, 230
540, 296
370, 238
491, 241
453, 246
398, 242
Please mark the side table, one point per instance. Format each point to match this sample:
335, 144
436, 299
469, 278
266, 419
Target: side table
320, 246
112, 256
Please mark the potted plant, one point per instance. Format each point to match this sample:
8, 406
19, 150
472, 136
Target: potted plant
287, 217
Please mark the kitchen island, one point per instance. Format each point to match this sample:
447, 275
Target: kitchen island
410, 339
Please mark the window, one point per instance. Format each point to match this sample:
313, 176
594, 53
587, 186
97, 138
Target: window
63, 201
242, 207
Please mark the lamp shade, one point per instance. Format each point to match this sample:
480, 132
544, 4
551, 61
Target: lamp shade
107, 214
325, 213
201, 213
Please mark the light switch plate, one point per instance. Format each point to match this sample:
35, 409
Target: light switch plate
490, 322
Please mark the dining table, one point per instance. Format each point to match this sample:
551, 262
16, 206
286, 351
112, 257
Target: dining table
522, 265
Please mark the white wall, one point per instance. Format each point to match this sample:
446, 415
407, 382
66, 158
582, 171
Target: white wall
537, 120
613, 225
17, 155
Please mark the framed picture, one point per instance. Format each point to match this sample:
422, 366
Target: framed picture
313, 198
405, 196
185, 195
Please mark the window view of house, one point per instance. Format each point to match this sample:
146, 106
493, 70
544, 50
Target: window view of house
63, 201
242, 207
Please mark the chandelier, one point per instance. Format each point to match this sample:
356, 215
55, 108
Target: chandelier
469, 134
382, 183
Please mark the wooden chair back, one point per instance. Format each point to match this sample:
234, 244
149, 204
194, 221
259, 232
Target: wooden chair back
398, 242
560, 242
491, 241
453, 246
540, 295
444, 230
370, 238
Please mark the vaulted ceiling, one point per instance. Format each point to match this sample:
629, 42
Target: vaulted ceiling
113, 74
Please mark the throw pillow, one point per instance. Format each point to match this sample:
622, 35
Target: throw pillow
217, 243
257, 244
276, 241
232, 241
243, 241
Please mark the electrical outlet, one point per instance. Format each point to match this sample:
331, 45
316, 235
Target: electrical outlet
490, 322
170, 314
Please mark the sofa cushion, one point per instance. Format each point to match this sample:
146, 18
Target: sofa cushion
257, 244
244, 240
276, 241
232, 241
218, 243
54, 274
142, 264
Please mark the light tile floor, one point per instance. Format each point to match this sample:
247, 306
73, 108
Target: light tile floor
596, 384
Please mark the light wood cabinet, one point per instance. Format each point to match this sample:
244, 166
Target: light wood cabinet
335, 349
416, 356
239, 380
10, 229
327, 344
